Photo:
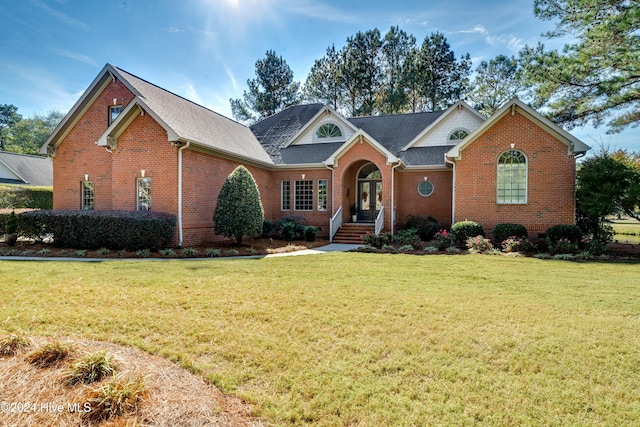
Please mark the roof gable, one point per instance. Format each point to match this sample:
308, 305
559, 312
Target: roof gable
458, 116
361, 136
183, 120
574, 145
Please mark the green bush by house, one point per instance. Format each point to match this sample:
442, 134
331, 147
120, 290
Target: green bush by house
82, 229
502, 232
26, 197
465, 229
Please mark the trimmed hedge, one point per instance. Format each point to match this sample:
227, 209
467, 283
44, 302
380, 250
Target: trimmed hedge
20, 197
465, 229
426, 225
571, 232
502, 232
84, 229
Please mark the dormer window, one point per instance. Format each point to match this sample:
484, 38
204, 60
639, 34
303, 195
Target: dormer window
458, 135
114, 111
328, 130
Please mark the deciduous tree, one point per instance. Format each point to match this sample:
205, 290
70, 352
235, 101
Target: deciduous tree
8, 118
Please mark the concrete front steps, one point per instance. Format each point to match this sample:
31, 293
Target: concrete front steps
352, 233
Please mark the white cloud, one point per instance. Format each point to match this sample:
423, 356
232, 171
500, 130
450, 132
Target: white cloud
78, 57
479, 29
61, 15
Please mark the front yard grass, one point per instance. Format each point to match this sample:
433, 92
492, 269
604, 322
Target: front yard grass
364, 339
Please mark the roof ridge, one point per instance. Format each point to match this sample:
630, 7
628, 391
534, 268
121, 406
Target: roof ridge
23, 154
178, 96
395, 115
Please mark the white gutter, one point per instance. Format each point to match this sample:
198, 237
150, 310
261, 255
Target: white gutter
180, 235
453, 193
393, 208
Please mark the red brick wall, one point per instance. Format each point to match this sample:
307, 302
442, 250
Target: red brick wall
79, 155
315, 217
144, 145
438, 204
345, 179
551, 177
203, 177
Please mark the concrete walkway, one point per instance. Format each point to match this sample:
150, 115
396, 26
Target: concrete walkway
333, 247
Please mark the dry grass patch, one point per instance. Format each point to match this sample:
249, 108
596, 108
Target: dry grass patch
173, 397
49, 354
12, 344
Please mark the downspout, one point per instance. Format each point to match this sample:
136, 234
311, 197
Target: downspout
393, 190
180, 235
453, 193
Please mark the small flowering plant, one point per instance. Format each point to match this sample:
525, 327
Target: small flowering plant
516, 244
443, 240
479, 244
563, 246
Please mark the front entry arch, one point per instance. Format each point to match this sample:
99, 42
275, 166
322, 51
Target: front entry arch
369, 193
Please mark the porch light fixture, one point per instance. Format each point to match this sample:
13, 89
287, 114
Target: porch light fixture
303, 175
513, 145
142, 172
115, 101
426, 178
86, 177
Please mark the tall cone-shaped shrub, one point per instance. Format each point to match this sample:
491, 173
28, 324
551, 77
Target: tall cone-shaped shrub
239, 210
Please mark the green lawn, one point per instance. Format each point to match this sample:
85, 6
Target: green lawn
365, 339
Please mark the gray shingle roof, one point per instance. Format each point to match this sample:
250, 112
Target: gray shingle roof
393, 132
31, 170
195, 123
275, 132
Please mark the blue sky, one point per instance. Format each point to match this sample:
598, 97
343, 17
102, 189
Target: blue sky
205, 50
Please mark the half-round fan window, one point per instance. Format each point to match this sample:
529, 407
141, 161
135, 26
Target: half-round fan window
457, 135
328, 130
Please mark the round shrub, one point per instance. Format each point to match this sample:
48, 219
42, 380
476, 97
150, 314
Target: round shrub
465, 229
288, 231
310, 233
570, 232
426, 226
502, 232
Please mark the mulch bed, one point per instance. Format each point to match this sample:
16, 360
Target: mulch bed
248, 247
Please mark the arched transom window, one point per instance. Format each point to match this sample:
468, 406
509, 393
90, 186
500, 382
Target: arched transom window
458, 135
328, 130
512, 177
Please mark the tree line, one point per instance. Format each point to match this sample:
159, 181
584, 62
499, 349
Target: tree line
596, 79
25, 135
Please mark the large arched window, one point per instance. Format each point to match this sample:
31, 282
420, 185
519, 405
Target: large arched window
512, 177
328, 130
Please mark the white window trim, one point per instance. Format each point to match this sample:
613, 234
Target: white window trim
282, 195
332, 139
526, 179
138, 180
295, 198
433, 189
82, 196
111, 107
317, 204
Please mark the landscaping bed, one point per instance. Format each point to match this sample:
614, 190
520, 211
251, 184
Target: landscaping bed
249, 247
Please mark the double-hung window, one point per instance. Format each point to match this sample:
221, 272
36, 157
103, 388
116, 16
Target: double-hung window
143, 192
88, 196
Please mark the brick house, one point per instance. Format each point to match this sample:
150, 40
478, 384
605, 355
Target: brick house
128, 144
